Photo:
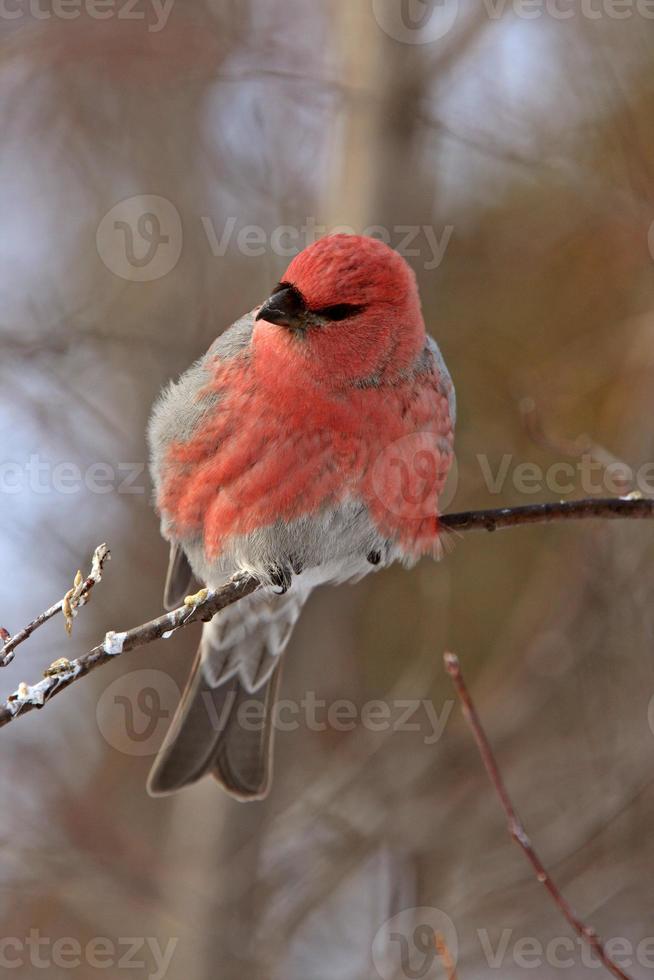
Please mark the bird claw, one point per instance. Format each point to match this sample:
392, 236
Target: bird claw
281, 576
296, 564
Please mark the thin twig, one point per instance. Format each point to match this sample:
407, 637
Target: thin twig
611, 508
516, 828
71, 602
64, 672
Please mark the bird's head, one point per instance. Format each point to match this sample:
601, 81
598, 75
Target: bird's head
349, 307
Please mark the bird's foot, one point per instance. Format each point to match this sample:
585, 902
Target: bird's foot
281, 576
296, 564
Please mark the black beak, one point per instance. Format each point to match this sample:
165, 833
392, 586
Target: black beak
287, 308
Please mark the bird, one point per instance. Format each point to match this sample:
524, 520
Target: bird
309, 445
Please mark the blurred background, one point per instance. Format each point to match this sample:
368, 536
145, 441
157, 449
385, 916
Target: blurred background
160, 164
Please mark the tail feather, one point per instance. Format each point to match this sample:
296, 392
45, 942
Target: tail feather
214, 730
243, 762
209, 734
248, 638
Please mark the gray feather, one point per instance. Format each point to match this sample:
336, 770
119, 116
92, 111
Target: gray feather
248, 638
178, 578
224, 730
180, 410
444, 375
243, 761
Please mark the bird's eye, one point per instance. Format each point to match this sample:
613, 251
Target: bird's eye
339, 312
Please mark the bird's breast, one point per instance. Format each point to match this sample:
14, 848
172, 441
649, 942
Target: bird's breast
272, 452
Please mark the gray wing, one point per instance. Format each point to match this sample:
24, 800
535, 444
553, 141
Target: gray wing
435, 350
178, 578
179, 410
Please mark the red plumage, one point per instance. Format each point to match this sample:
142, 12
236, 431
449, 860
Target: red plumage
303, 424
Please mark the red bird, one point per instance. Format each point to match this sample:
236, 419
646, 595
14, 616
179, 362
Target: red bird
308, 445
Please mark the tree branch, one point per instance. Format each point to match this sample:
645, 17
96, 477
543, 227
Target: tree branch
516, 828
206, 604
610, 508
74, 599
64, 672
